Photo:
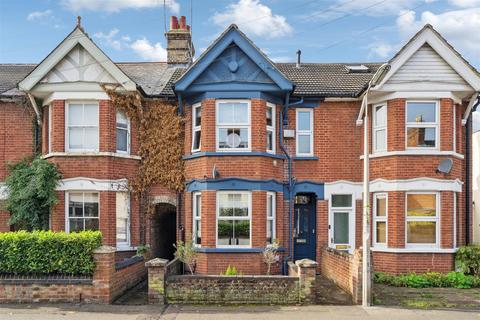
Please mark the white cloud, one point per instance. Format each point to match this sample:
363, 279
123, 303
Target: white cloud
465, 3
381, 49
109, 39
148, 51
254, 18
459, 27
117, 5
40, 15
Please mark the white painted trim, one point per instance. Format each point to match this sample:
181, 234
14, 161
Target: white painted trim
67, 196
249, 217
3, 191
50, 118
379, 219
92, 184
126, 244
351, 221
416, 152
414, 250
382, 97
233, 125
436, 219
73, 95
454, 135
427, 35
304, 132
274, 214
384, 185
195, 204
91, 154
435, 125
67, 131
342, 99
196, 128
455, 220
272, 128
472, 101
376, 127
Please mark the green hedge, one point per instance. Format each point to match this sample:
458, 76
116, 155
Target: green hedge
47, 252
429, 279
467, 260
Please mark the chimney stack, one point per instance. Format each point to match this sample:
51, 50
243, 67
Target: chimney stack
180, 50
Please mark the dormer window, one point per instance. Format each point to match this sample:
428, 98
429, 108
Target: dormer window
233, 125
82, 127
422, 124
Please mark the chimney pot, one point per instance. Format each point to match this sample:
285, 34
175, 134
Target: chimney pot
173, 23
183, 23
299, 53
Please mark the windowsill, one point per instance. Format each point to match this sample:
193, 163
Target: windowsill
234, 153
234, 250
126, 248
415, 250
90, 154
305, 158
415, 152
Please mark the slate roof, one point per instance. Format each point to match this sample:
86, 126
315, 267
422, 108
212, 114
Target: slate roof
11, 75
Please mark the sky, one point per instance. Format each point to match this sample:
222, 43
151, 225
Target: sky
324, 30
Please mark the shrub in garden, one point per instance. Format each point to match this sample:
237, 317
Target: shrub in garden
186, 253
48, 252
467, 260
429, 279
231, 271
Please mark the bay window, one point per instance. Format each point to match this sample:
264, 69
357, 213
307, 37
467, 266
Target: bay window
196, 127
197, 219
271, 232
233, 125
82, 127
422, 218
380, 212
123, 219
270, 127
82, 211
422, 124
380, 128
304, 135
234, 218
342, 222
122, 132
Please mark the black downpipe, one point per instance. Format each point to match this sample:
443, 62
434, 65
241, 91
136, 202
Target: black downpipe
468, 182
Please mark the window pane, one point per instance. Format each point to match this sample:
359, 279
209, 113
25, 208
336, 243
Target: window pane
122, 205
91, 224
198, 205
421, 137
75, 205
91, 205
269, 205
303, 120
381, 207
122, 225
340, 227
75, 138
269, 140
233, 138
421, 232
341, 200
304, 144
242, 232
197, 140
269, 231
122, 140
380, 140
225, 232
197, 117
233, 113
421, 205
91, 138
76, 225
122, 121
381, 230
421, 112
198, 230
75, 114
269, 116
90, 114
381, 116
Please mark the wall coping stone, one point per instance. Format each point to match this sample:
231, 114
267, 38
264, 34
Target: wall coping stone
128, 262
157, 262
306, 263
105, 249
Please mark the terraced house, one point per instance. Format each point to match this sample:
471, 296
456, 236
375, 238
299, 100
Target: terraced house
272, 150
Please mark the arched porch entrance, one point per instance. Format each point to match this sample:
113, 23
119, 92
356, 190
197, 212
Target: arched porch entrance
163, 226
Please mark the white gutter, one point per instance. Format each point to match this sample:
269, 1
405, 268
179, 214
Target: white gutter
35, 107
473, 100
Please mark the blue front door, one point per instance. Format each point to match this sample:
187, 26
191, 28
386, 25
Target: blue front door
304, 233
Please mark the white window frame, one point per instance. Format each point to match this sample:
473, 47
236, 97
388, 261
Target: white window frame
273, 218
247, 126
249, 217
377, 127
67, 201
435, 125
272, 128
304, 132
50, 117
196, 128
67, 131
195, 206
351, 222
435, 219
127, 243
380, 219
128, 133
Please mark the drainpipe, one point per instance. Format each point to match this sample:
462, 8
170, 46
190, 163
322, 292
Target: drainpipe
291, 182
468, 182
38, 123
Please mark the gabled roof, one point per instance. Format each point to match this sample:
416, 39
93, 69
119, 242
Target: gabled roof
428, 35
76, 37
233, 35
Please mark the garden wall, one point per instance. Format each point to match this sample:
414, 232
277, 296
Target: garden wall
344, 269
109, 281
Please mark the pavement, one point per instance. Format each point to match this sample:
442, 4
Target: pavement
188, 312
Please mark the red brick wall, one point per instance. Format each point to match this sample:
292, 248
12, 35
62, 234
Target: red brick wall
412, 262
